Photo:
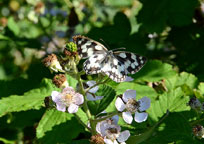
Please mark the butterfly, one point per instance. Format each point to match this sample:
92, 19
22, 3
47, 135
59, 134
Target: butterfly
115, 64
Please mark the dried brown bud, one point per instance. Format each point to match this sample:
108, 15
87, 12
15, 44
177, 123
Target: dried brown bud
52, 62
60, 81
96, 139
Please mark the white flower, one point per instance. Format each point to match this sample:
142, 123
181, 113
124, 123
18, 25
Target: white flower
68, 98
110, 131
128, 105
91, 93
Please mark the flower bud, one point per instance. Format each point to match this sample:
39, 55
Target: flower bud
60, 81
198, 131
96, 139
52, 63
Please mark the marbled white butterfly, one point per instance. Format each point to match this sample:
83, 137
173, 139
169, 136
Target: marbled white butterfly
115, 64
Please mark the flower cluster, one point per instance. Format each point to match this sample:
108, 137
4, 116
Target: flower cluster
110, 131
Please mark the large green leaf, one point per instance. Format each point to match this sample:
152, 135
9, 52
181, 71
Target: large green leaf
157, 14
50, 119
173, 101
141, 90
174, 129
155, 70
33, 99
13, 26
181, 79
100, 105
58, 127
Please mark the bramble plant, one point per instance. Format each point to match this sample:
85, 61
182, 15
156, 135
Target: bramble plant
136, 77
104, 128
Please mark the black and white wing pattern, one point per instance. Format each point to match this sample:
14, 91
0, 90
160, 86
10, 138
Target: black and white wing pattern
88, 47
132, 62
116, 65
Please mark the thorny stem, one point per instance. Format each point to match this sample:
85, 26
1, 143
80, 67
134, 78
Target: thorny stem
85, 106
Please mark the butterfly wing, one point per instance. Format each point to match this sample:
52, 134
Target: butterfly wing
131, 61
114, 69
88, 47
93, 64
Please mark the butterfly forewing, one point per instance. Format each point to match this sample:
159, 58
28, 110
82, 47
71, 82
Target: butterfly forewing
87, 47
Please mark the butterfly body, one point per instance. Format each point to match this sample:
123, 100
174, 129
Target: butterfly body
115, 64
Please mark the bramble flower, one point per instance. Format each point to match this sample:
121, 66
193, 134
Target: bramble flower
128, 105
52, 63
91, 93
110, 132
68, 98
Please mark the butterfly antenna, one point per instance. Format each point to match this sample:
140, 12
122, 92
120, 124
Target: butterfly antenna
122, 48
104, 43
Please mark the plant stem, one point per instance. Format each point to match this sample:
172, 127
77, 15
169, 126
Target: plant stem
85, 106
109, 115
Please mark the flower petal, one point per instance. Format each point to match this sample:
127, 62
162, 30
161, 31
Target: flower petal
144, 103
128, 94
127, 116
78, 99
73, 108
92, 98
115, 119
61, 107
140, 117
119, 104
55, 96
108, 141
123, 136
90, 84
128, 79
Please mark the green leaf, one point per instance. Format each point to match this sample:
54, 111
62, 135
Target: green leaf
201, 87
50, 119
13, 26
2, 37
182, 79
157, 14
58, 127
34, 99
141, 90
174, 129
100, 105
71, 81
155, 70
174, 101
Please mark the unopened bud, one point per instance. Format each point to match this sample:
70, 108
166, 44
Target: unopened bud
198, 131
52, 63
96, 139
60, 81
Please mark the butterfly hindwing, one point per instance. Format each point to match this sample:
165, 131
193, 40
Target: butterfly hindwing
93, 64
131, 61
114, 69
87, 47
